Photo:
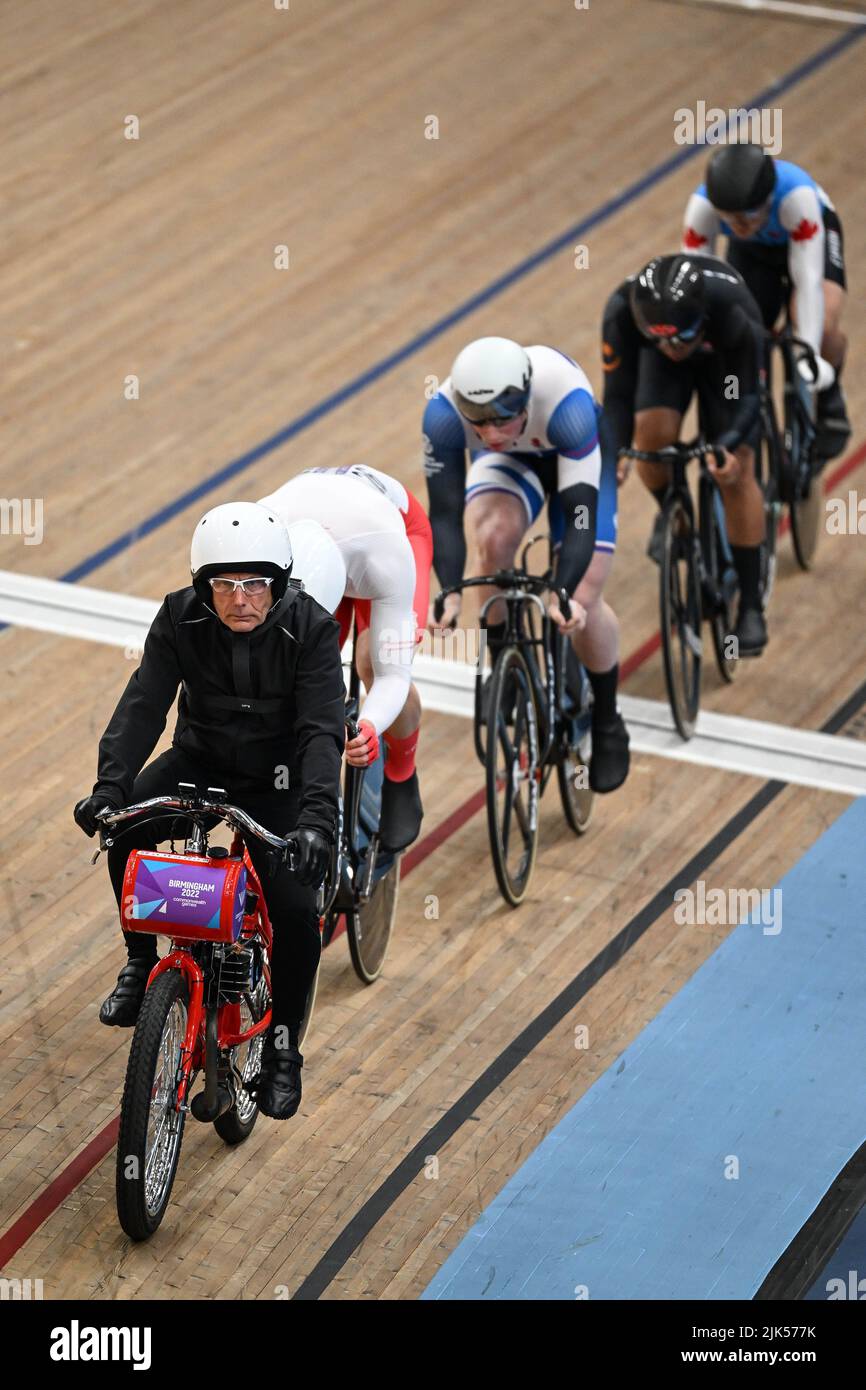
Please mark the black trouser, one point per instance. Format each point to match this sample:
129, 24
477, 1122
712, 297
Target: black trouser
291, 905
664, 384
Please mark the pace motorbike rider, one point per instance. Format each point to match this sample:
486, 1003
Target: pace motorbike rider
260, 714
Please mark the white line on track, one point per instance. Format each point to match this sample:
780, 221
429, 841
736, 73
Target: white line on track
724, 741
790, 8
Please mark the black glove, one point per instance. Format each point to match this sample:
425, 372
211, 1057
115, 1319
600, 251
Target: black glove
311, 853
85, 811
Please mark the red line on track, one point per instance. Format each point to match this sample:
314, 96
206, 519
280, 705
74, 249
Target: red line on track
69, 1177
57, 1191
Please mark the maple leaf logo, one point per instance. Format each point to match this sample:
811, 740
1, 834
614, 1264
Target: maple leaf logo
804, 230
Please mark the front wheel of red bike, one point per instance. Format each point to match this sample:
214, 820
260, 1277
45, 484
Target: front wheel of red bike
151, 1124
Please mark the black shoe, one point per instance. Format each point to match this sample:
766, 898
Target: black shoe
750, 632
655, 544
608, 766
401, 814
123, 1005
277, 1087
833, 428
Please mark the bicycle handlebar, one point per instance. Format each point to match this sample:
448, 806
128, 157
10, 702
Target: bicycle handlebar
780, 338
668, 454
233, 815
534, 584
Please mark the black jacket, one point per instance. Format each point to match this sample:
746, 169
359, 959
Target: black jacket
250, 704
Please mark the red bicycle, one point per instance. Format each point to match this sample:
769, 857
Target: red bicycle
208, 1001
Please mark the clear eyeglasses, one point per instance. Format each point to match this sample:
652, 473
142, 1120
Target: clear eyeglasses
253, 588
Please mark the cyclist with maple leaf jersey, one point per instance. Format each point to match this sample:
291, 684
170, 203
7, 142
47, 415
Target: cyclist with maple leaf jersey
785, 239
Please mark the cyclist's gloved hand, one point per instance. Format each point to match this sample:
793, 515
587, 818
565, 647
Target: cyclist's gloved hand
86, 810
311, 853
364, 749
826, 373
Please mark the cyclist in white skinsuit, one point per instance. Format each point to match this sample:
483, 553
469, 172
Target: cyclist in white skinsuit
379, 528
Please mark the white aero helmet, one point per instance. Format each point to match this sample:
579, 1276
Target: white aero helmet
490, 380
240, 536
318, 563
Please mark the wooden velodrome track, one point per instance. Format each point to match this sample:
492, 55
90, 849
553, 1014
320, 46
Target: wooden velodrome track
155, 257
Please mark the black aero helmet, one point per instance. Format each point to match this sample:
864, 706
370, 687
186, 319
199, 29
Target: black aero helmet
668, 299
740, 177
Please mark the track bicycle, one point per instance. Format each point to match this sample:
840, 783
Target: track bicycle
362, 887
697, 579
788, 465
526, 723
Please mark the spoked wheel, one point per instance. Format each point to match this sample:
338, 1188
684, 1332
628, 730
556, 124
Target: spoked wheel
236, 1124
680, 604
512, 775
806, 515
720, 581
572, 774
370, 923
151, 1126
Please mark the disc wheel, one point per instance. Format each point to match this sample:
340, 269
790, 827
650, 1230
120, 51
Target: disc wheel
512, 775
806, 513
370, 923
680, 606
720, 588
772, 509
151, 1126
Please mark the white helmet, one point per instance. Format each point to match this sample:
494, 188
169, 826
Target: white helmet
318, 562
490, 380
240, 536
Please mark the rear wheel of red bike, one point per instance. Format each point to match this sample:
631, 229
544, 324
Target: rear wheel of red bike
236, 1124
151, 1125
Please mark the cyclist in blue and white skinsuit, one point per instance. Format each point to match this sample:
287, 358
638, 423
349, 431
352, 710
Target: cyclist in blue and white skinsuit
529, 422
785, 239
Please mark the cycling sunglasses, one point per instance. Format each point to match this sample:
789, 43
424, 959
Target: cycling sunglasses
669, 333
507, 406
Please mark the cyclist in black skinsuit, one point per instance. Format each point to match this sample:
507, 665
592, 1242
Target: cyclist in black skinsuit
687, 324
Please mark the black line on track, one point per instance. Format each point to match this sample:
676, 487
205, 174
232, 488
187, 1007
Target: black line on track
362, 1223
799, 1265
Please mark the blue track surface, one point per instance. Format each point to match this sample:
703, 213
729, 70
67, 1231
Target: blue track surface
761, 1057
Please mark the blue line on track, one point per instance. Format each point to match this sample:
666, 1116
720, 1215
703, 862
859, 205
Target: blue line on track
381, 368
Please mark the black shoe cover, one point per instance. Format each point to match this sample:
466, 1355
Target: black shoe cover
608, 766
751, 632
401, 814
